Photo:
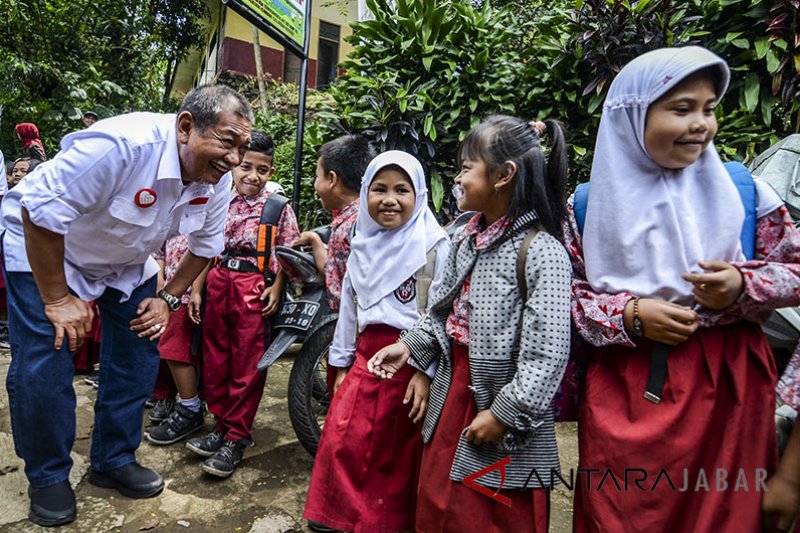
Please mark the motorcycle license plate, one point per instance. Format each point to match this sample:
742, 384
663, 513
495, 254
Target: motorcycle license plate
298, 315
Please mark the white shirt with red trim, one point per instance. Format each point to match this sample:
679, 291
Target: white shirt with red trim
115, 192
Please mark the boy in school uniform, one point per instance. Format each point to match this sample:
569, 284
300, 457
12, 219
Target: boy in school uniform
340, 166
242, 290
184, 416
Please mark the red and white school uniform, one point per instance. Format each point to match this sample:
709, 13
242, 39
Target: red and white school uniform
234, 332
175, 344
336, 265
699, 459
366, 468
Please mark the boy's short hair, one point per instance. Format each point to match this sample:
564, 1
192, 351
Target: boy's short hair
261, 142
348, 156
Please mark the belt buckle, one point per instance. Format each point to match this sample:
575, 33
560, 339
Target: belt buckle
233, 264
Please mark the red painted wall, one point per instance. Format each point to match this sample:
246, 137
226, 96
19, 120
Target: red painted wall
238, 56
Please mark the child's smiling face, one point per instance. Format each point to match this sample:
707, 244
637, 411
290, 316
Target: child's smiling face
253, 173
391, 198
681, 124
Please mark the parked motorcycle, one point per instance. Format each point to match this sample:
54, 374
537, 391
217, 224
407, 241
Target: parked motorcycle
304, 316
780, 167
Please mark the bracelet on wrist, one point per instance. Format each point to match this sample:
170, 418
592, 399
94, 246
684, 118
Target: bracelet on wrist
638, 326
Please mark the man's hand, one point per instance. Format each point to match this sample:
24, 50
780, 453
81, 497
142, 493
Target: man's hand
153, 318
387, 361
195, 301
484, 428
417, 393
72, 317
271, 298
341, 373
719, 288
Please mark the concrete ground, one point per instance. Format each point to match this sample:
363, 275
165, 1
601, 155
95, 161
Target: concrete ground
266, 494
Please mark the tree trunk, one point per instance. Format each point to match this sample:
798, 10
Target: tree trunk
262, 92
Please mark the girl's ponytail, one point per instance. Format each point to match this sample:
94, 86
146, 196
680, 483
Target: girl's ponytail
556, 175
540, 181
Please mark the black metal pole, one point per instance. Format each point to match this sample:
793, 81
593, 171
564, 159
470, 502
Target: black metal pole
301, 112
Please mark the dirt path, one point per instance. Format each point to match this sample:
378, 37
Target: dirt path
266, 494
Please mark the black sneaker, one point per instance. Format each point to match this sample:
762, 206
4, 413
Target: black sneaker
206, 446
93, 379
151, 401
181, 423
320, 527
225, 461
162, 409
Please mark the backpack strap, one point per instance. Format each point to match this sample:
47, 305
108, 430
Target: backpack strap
424, 279
522, 257
747, 192
267, 230
745, 185
579, 203
265, 238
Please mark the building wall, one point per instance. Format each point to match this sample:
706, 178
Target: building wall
233, 48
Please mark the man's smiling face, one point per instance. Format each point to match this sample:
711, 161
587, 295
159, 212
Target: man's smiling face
207, 155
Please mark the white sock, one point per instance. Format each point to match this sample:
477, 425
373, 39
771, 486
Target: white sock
192, 404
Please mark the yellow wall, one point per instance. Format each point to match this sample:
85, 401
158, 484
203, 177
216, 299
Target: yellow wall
239, 28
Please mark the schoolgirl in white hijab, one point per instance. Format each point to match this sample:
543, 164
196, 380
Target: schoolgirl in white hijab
647, 225
381, 259
365, 472
679, 377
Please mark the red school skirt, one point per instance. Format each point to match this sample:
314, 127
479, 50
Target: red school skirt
444, 505
713, 434
366, 467
88, 353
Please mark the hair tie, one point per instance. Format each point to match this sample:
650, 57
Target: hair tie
539, 128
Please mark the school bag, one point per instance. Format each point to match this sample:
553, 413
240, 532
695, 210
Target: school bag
745, 185
265, 238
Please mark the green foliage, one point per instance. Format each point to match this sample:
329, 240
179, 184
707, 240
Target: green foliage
60, 58
279, 121
421, 76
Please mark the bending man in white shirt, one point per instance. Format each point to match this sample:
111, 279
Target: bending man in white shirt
82, 227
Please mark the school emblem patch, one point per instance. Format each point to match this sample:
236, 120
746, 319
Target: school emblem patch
145, 197
407, 291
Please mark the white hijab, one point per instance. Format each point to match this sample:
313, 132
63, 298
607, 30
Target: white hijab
382, 259
645, 224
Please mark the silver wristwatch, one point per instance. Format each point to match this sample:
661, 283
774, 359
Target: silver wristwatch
173, 302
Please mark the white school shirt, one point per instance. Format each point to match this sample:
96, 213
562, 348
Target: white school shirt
390, 310
115, 192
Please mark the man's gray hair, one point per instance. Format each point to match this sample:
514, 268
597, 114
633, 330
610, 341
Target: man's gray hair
206, 102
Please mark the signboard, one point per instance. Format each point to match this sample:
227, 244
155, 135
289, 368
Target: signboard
287, 16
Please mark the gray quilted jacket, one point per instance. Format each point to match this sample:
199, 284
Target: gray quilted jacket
515, 365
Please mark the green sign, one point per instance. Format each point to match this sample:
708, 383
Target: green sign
287, 16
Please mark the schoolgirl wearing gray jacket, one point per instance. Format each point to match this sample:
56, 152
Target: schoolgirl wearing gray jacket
491, 456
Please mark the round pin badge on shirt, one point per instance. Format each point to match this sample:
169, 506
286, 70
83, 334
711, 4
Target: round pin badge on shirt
145, 197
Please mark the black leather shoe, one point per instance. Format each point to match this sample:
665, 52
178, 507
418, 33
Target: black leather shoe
53, 505
132, 480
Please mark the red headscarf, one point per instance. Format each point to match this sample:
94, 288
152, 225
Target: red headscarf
29, 134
